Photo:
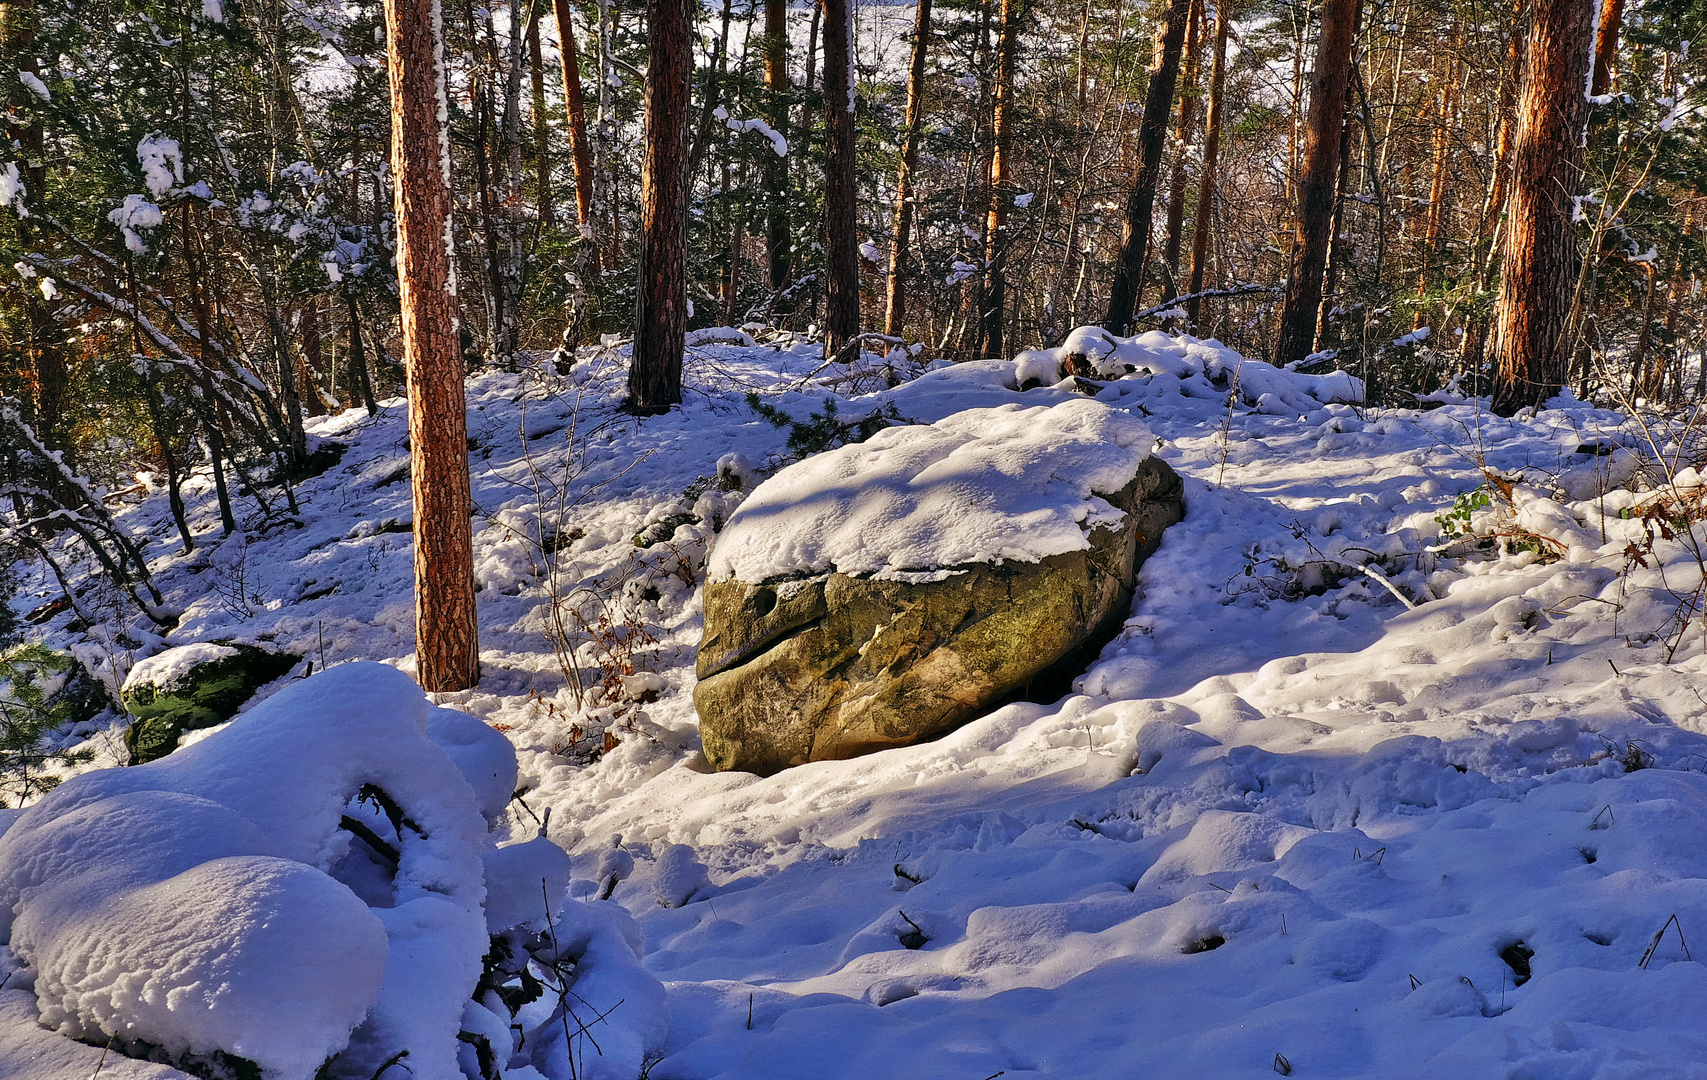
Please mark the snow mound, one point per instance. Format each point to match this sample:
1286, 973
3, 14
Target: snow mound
255, 956
219, 902
483, 756
617, 1014
1270, 389
983, 485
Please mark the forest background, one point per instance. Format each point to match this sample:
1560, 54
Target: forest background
201, 228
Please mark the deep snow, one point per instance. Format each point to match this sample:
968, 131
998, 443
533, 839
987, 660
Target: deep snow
1285, 819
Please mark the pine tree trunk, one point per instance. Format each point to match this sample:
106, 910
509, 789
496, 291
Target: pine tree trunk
995, 237
577, 110
1318, 175
313, 360
511, 218
1211, 162
215, 437
1489, 234
541, 160
1336, 250
447, 644
660, 316
1606, 45
358, 355
1182, 137
1541, 243
1647, 380
480, 94
1128, 285
895, 299
778, 242
711, 92
1446, 122
45, 345
811, 68
841, 242
168, 457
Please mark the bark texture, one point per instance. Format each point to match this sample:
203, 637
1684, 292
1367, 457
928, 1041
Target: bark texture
660, 315
1182, 139
1606, 45
895, 300
1152, 133
841, 242
1541, 245
446, 633
1211, 153
779, 244
577, 110
995, 232
1317, 176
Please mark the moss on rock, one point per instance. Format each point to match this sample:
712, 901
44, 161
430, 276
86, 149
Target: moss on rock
839, 666
200, 691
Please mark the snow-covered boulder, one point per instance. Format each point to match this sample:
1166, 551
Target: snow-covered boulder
192, 686
889, 591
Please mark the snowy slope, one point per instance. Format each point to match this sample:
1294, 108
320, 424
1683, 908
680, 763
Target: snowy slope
1287, 820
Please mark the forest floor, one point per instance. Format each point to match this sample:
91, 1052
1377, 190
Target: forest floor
1288, 822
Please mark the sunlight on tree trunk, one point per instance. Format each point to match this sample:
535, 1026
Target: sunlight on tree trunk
1128, 286
1318, 175
446, 634
1541, 242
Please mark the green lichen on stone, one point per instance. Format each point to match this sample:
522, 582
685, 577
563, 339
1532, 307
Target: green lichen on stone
209, 693
840, 666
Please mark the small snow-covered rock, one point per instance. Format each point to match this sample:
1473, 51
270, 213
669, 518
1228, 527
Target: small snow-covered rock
192, 686
680, 875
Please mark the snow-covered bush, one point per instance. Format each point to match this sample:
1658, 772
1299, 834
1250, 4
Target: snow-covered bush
313, 889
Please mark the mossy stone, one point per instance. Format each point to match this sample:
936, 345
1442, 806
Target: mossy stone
207, 694
839, 666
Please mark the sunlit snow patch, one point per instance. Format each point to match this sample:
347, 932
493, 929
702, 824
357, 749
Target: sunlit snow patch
981, 485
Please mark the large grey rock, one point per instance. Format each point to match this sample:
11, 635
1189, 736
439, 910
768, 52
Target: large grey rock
837, 665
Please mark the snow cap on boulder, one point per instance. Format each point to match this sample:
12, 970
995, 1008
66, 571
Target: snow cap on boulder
980, 486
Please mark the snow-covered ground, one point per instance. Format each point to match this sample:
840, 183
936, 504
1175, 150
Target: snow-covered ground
1348, 796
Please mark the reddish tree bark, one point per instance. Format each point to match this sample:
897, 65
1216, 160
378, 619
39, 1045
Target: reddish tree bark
1606, 45
1489, 237
895, 299
1541, 245
660, 315
995, 300
577, 111
1318, 174
447, 645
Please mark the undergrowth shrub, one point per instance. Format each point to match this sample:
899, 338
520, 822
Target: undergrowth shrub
39, 695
